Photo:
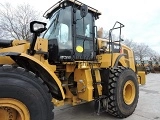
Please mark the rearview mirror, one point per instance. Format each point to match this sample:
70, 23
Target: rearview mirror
37, 27
83, 10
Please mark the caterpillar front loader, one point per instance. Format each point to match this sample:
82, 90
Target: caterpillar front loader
65, 63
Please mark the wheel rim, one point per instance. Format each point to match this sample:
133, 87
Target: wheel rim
12, 109
129, 92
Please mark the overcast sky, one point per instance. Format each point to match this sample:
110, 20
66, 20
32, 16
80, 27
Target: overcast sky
140, 17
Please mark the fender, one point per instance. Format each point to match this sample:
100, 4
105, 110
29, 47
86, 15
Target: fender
118, 60
48, 76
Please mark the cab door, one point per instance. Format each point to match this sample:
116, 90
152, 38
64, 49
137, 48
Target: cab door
84, 40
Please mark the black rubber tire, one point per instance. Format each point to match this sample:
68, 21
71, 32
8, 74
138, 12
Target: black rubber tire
117, 79
25, 86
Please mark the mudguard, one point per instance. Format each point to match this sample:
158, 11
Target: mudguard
40, 69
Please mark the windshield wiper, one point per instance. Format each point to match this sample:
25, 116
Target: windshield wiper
56, 21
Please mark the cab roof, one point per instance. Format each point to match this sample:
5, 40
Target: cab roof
61, 2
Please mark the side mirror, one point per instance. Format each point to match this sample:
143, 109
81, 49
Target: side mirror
83, 10
37, 27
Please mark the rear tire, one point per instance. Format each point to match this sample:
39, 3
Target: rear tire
19, 84
123, 92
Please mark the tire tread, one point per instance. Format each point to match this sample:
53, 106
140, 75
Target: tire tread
33, 76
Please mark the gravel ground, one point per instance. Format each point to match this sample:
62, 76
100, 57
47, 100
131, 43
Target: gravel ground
148, 107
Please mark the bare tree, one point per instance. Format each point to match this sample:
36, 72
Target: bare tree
141, 51
129, 43
105, 34
100, 32
14, 22
1, 34
154, 56
158, 58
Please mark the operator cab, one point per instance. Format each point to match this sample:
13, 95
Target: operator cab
71, 31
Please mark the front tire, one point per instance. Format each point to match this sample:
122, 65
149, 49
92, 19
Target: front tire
25, 92
123, 92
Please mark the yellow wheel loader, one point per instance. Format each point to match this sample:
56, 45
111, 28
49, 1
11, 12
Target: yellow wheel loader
65, 63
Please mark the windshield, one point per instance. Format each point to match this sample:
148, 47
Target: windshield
59, 27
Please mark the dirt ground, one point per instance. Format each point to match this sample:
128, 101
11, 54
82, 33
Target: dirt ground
148, 107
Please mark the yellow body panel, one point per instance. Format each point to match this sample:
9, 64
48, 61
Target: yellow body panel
6, 60
98, 80
129, 57
105, 60
84, 81
141, 77
18, 49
